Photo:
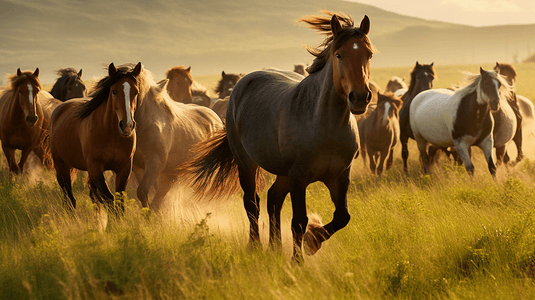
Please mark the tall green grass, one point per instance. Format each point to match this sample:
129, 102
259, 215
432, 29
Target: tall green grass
444, 235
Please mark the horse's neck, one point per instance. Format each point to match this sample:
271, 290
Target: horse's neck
320, 88
475, 113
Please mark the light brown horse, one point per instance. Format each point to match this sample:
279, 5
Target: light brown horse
301, 130
379, 132
22, 122
179, 86
226, 84
98, 134
301, 69
166, 133
395, 83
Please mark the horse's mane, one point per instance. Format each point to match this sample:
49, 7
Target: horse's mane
162, 97
396, 101
102, 88
15, 80
169, 74
474, 79
220, 83
323, 24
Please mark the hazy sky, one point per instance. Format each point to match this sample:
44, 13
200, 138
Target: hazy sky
466, 12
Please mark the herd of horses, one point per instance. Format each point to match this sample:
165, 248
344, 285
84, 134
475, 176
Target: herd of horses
302, 126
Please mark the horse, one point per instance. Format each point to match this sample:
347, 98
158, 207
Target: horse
69, 85
301, 69
226, 84
375, 89
394, 84
220, 108
379, 132
509, 72
98, 133
422, 77
302, 130
22, 122
179, 86
461, 118
166, 133
201, 95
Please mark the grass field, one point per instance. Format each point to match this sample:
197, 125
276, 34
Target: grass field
445, 235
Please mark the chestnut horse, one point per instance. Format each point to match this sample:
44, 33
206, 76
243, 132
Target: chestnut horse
98, 134
226, 84
395, 83
179, 86
22, 122
301, 130
462, 118
379, 132
69, 85
166, 133
422, 77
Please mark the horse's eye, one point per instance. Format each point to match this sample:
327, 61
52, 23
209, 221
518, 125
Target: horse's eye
338, 56
113, 93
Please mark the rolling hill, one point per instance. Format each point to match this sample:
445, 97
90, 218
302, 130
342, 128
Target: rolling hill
235, 36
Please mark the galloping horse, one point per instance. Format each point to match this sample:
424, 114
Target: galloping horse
463, 118
301, 69
226, 84
300, 130
395, 83
220, 108
98, 134
379, 132
422, 77
22, 125
69, 85
166, 132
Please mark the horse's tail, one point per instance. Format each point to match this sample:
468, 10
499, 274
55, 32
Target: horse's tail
213, 171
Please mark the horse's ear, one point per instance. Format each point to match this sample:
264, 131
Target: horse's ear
417, 64
481, 71
188, 69
19, 72
365, 25
111, 69
162, 85
80, 74
137, 70
335, 24
432, 64
36, 73
223, 74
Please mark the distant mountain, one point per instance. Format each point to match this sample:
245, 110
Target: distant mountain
216, 35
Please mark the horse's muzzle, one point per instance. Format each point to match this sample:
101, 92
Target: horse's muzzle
358, 103
31, 120
125, 129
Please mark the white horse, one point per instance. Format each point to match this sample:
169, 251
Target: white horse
463, 118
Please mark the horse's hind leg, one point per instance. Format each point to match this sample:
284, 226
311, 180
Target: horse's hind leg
251, 202
316, 233
500, 155
165, 183
518, 142
275, 198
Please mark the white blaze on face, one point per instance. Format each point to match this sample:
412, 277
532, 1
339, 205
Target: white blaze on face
126, 89
30, 93
355, 46
387, 109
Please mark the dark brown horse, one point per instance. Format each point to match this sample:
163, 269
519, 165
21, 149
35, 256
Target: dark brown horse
301, 130
379, 132
226, 84
22, 122
69, 85
98, 134
422, 77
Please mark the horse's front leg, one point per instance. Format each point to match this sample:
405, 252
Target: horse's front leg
382, 157
99, 187
463, 150
299, 219
316, 233
486, 145
424, 156
153, 169
10, 156
23, 158
275, 198
404, 152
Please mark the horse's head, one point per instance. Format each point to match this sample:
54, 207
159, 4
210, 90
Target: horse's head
75, 87
507, 71
123, 95
422, 77
26, 90
489, 88
350, 56
179, 86
226, 84
388, 106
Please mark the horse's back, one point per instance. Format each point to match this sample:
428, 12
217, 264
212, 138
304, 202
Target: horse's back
527, 108
48, 104
65, 132
220, 108
505, 124
431, 116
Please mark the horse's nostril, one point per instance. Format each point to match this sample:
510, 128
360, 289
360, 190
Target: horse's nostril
368, 97
121, 124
